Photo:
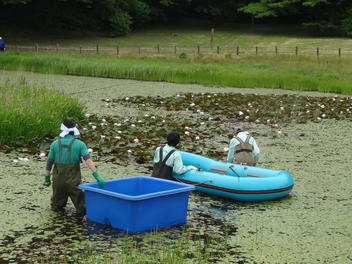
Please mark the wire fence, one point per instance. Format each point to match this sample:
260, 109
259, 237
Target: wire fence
198, 50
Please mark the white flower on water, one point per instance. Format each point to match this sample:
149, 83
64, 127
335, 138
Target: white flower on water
247, 117
126, 120
42, 155
197, 138
240, 112
322, 106
307, 111
146, 115
208, 96
202, 113
127, 98
117, 137
102, 124
279, 132
133, 125
153, 117
129, 151
103, 120
90, 123
186, 127
186, 132
94, 127
84, 128
323, 115
139, 121
198, 110
257, 120
282, 108
210, 118
117, 124
276, 125
102, 136
192, 104
177, 95
268, 120
226, 149
107, 104
136, 140
87, 115
119, 131
332, 109
202, 123
90, 150
23, 159
15, 160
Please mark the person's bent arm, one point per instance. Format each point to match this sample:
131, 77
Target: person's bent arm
256, 150
231, 153
94, 170
178, 167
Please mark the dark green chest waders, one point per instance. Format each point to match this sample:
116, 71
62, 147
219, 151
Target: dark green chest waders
66, 177
244, 152
160, 169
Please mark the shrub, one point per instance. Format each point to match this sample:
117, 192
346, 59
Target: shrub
31, 112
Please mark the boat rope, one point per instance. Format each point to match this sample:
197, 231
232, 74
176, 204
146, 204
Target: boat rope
195, 184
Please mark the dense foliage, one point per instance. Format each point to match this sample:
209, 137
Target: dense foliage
120, 17
30, 112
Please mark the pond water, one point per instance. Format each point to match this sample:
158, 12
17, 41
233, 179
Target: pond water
311, 225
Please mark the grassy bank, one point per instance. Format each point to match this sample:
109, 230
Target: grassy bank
31, 112
285, 72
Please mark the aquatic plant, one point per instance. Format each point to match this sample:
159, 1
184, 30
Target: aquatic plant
30, 112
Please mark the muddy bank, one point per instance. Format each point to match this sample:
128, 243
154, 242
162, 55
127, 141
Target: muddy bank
309, 226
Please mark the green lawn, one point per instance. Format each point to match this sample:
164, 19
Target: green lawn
186, 35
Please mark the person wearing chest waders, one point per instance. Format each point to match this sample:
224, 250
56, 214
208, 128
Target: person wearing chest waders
65, 154
167, 159
243, 149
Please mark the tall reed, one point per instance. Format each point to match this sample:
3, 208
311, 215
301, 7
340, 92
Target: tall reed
31, 112
285, 72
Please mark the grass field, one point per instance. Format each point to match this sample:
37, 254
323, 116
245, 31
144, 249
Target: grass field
286, 72
185, 34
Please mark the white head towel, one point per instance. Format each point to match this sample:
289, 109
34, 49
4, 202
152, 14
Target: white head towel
66, 131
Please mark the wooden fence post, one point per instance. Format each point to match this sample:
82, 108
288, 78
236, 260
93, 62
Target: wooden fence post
218, 50
339, 52
256, 51
97, 49
237, 50
275, 50
57, 47
296, 51
198, 49
80, 50
139, 50
158, 48
117, 51
212, 39
317, 51
175, 49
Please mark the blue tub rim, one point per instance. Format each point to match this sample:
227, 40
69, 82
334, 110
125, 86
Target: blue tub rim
183, 187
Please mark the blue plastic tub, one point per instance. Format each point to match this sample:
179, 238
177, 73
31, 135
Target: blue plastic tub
137, 203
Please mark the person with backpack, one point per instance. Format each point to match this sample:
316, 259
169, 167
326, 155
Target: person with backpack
243, 149
65, 154
167, 159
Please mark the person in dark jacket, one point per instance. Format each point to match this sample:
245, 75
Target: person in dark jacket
2, 44
65, 154
167, 159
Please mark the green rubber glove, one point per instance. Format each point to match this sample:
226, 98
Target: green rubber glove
47, 181
98, 178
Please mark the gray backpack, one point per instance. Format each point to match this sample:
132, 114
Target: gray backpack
244, 152
160, 169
